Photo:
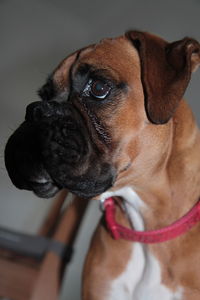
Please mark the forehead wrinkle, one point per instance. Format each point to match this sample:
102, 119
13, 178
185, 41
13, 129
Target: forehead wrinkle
64, 70
80, 54
61, 74
115, 55
95, 69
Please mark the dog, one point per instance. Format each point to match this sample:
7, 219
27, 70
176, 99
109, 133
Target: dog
113, 124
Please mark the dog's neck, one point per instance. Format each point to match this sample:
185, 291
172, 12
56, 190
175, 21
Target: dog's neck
170, 187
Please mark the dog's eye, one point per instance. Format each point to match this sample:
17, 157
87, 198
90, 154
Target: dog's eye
97, 88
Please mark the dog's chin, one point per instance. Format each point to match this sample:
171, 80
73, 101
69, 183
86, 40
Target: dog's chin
90, 189
88, 194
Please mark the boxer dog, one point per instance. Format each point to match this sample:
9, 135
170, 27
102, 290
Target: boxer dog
112, 123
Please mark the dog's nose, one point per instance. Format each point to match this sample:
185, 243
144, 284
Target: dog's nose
38, 110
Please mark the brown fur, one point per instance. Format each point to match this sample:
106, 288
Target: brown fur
161, 162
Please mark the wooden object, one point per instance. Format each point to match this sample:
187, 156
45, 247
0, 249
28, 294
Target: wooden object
26, 278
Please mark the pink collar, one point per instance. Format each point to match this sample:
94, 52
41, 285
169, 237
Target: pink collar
154, 236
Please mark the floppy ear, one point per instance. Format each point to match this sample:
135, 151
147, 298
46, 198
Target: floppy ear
165, 72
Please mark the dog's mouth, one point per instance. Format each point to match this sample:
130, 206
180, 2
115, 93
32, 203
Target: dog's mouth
43, 189
24, 164
47, 156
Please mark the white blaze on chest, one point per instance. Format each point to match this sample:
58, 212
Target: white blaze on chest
141, 279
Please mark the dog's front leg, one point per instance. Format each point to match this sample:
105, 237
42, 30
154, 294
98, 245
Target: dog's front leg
105, 265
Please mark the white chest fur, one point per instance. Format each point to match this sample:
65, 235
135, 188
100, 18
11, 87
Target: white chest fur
141, 280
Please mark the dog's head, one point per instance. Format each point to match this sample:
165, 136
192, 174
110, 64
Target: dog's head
84, 132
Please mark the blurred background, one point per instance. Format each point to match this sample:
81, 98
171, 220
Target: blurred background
34, 36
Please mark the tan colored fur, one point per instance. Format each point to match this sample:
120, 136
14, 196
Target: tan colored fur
161, 163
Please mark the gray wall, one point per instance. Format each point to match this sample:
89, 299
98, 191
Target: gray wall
34, 36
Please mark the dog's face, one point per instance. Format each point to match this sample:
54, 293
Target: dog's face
86, 130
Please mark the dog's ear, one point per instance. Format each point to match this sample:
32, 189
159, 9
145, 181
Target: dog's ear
165, 72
